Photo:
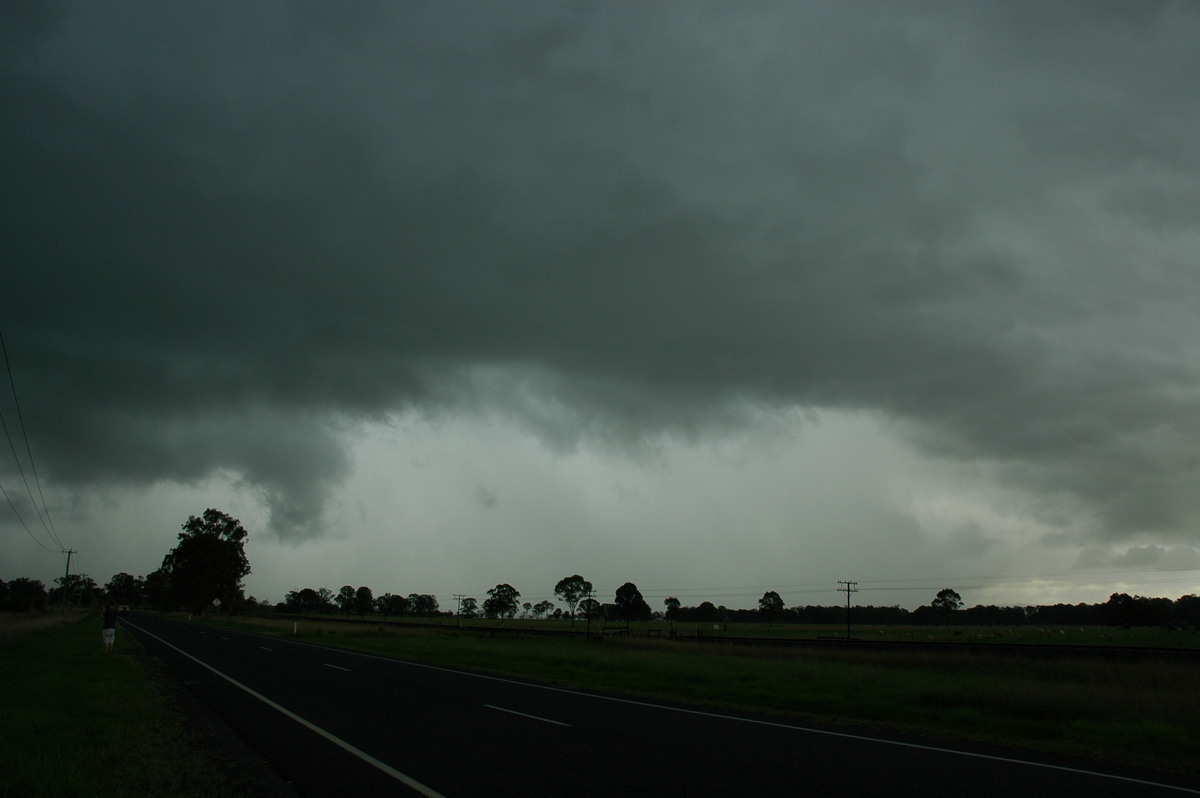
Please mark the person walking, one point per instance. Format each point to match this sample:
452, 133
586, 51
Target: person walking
109, 634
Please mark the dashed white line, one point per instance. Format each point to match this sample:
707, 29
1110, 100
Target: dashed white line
339, 667
775, 724
524, 715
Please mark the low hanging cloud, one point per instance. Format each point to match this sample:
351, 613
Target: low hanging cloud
234, 233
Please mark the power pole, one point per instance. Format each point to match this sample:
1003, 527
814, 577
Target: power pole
459, 597
847, 587
588, 614
66, 578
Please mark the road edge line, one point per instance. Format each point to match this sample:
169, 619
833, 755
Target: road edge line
338, 741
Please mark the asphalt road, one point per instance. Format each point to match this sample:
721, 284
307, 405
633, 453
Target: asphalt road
339, 723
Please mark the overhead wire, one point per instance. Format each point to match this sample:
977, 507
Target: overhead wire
22, 522
43, 512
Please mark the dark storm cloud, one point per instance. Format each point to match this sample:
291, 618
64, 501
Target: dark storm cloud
229, 229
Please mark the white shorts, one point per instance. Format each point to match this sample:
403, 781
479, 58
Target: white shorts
108, 636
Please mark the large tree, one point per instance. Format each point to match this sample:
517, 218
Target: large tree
126, 588
630, 604
573, 589
79, 589
26, 595
590, 608
502, 602
364, 600
209, 562
423, 604
946, 602
771, 606
345, 599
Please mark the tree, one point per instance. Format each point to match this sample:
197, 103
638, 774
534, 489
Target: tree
542, 608
572, 589
26, 595
946, 602
589, 608
209, 562
391, 604
422, 604
363, 600
468, 608
672, 605
79, 589
630, 604
706, 612
345, 599
124, 588
158, 589
502, 602
770, 606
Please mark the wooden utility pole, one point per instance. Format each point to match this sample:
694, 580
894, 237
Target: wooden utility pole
847, 587
459, 597
66, 578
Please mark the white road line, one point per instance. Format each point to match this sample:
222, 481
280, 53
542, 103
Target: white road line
339, 742
522, 714
264, 648
756, 721
339, 667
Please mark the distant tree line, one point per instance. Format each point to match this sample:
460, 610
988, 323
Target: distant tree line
204, 572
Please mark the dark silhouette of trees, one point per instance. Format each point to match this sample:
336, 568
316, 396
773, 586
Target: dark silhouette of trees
630, 604
1186, 612
572, 589
946, 602
589, 608
364, 600
1125, 610
1120, 610
125, 588
303, 602
502, 602
345, 599
79, 589
770, 606
391, 604
209, 562
26, 595
422, 604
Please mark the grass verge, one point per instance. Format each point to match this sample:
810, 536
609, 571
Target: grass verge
75, 722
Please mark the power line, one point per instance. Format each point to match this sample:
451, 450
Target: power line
47, 522
22, 522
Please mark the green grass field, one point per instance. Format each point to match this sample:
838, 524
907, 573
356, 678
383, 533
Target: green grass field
1141, 713
76, 723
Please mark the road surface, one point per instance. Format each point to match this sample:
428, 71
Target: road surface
340, 723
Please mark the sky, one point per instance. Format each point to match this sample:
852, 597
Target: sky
714, 298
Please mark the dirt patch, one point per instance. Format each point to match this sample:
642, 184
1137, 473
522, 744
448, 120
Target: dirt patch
18, 624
